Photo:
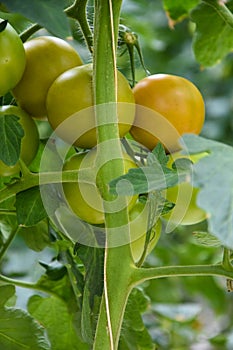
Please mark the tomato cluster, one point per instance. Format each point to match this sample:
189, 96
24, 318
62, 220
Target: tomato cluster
49, 81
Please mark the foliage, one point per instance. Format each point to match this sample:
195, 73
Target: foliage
67, 279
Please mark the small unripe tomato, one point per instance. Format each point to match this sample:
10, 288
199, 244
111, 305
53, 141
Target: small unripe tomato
29, 142
84, 198
168, 106
138, 217
184, 196
46, 58
70, 106
12, 58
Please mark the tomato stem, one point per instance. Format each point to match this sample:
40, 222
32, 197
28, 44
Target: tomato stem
145, 274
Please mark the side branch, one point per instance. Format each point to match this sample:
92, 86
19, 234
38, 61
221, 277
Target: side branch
144, 274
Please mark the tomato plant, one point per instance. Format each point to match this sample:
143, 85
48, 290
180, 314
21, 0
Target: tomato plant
72, 92
115, 280
46, 58
29, 142
12, 60
84, 198
178, 109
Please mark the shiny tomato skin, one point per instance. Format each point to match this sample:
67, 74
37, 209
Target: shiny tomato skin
12, 59
29, 142
71, 94
178, 108
46, 58
84, 199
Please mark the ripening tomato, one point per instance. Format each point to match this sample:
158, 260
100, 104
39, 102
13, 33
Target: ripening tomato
46, 58
84, 197
168, 106
12, 57
68, 100
138, 217
184, 196
29, 142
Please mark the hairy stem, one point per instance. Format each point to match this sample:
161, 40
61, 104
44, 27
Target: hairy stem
144, 274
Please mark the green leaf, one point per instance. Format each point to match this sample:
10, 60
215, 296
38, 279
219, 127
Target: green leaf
36, 237
146, 179
47, 13
134, 333
178, 9
19, 331
158, 154
206, 239
178, 312
11, 133
6, 292
29, 207
58, 321
214, 176
92, 259
62, 287
213, 38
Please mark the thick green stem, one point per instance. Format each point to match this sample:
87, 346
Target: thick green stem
118, 265
144, 274
32, 180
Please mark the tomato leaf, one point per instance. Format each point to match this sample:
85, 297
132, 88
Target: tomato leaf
18, 331
134, 333
36, 237
47, 13
53, 313
177, 9
92, 259
147, 178
6, 292
206, 239
29, 207
214, 176
11, 133
212, 42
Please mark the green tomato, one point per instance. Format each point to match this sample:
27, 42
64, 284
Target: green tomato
47, 57
29, 142
84, 198
71, 96
138, 216
184, 196
12, 58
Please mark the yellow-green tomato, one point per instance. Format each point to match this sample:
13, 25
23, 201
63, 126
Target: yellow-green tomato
46, 58
70, 108
29, 142
184, 196
138, 216
12, 57
83, 196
